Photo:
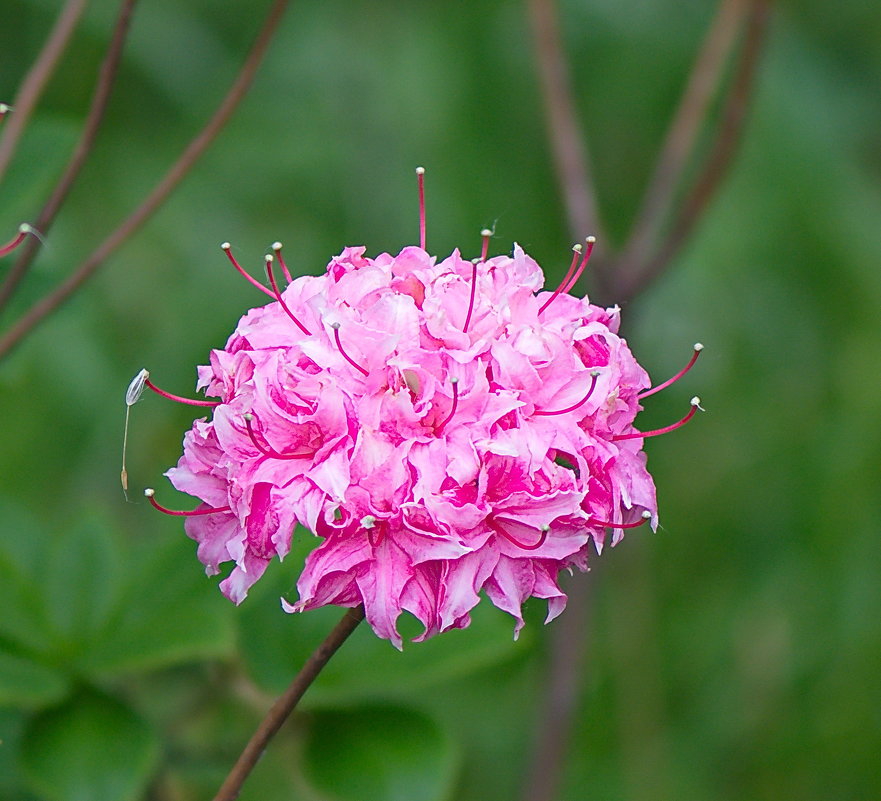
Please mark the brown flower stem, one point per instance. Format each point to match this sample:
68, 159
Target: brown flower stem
569, 643
679, 144
44, 307
718, 160
567, 138
36, 78
286, 703
103, 86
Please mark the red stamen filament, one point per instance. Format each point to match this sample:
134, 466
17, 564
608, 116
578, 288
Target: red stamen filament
591, 241
279, 298
227, 248
455, 383
646, 516
194, 513
485, 235
178, 398
473, 291
524, 545
695, 405
593, 382
576, 252
270, 453
23, 230
336, 336
697, 351
276, 248
420, 181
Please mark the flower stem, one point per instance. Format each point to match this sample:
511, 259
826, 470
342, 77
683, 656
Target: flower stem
286, 703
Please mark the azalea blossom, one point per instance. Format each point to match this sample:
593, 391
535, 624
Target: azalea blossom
445, 428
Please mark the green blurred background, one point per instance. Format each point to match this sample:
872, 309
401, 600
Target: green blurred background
734, 654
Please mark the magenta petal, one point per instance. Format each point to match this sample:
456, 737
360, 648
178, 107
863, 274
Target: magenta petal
433, 463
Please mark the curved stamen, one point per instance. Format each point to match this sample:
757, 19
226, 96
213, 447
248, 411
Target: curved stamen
455, 383
279, 298
591, 241
276, 248
227, 248
695, 405
349, 359
524, 545
593, 382
194, 513
420, 180
697, 352
23, 230
645, 517
471, 301
270, 453
576, 252
178, 398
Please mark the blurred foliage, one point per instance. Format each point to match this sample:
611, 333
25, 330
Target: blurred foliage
734, 654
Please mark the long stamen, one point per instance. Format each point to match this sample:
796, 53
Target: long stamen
420, 181
473, 291
695, 405
178, 398
23, 230
644, 518
349, 359
455, 383
485, 234
276, 248
697, 351
591, 241
524, 545
227, 248
132, 396
593, 382
194, 513
270, 453
279, 298
576, 253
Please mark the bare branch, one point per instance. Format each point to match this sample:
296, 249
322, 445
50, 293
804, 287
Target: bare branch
106, 76
567, 139
43, 308
718, 160
35, 80
286, 703
679, 144
560, 702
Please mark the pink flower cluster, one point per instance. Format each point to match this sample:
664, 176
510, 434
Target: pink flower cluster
445, 428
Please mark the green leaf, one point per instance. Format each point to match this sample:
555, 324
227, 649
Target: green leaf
91, 749
22, 557
82, 582
27, 684
275, 645
380, 753
169, 614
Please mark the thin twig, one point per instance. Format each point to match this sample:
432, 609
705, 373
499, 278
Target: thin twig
557, 714
719, 158
286, 703
39, 73
43, 308
103, 87
567, 139
679, 144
